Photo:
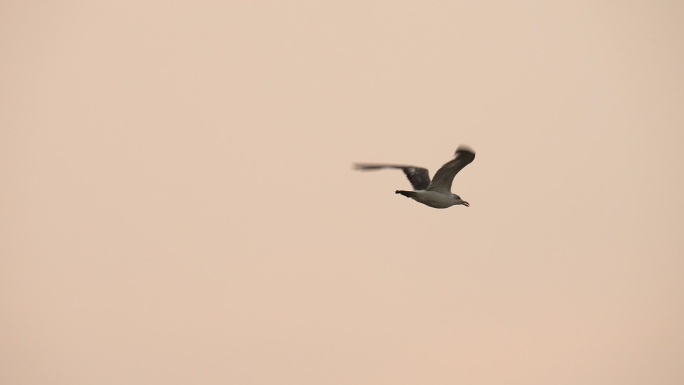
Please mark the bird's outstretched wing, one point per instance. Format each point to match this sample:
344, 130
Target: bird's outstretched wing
445, 175
418, 176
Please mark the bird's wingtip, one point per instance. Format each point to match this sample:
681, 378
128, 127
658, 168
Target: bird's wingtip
464, 148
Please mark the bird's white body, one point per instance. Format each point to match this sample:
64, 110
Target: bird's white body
435, 199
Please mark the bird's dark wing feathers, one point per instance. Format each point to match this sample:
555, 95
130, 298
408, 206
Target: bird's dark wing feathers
418, 176
445, 175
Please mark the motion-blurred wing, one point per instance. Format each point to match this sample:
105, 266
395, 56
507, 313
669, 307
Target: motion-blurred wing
418, 176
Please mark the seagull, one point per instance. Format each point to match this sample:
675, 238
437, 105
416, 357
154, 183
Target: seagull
436, 192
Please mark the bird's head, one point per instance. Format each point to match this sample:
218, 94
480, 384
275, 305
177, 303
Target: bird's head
460, 201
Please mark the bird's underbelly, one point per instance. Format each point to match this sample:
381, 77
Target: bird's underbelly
434, 199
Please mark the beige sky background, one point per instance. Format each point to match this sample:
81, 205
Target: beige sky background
178, 204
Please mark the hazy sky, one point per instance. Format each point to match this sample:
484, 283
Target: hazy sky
178, 204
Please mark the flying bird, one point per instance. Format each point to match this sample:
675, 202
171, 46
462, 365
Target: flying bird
436, 192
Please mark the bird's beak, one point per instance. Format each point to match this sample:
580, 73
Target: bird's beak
466, 204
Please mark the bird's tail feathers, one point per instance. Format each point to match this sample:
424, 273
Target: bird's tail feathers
408, 194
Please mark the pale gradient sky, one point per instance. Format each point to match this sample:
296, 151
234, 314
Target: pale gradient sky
178, 204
